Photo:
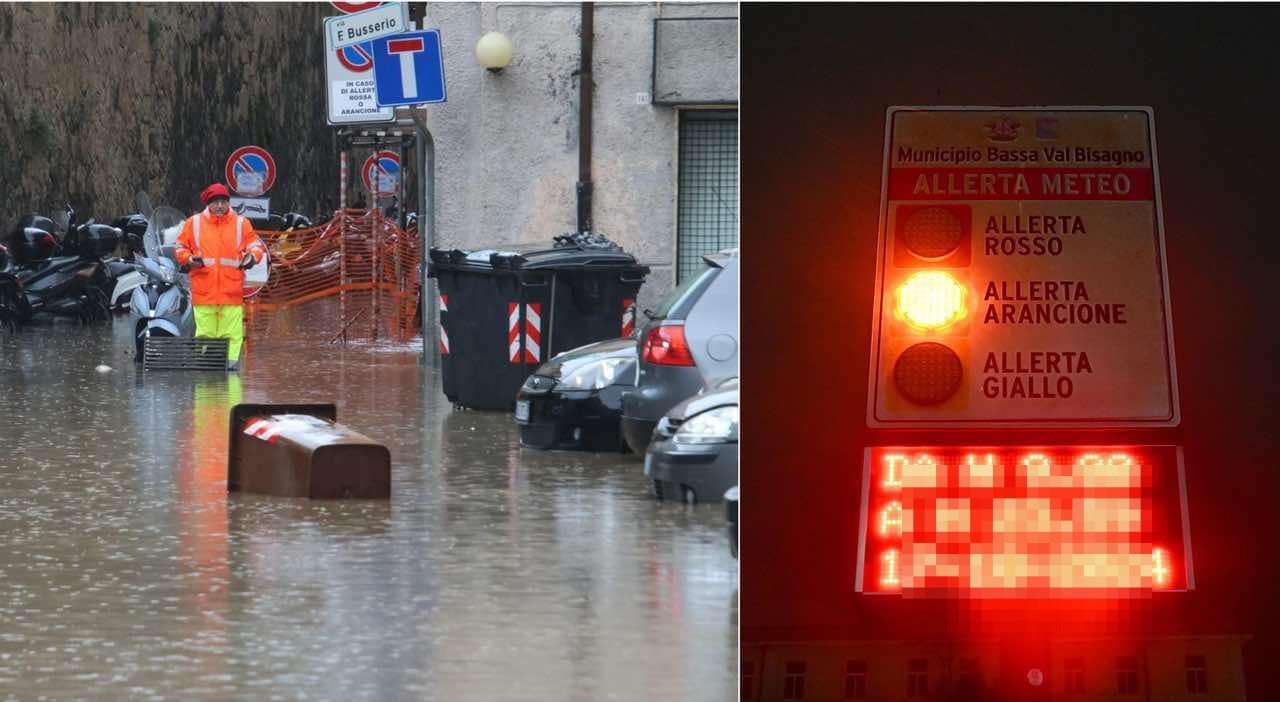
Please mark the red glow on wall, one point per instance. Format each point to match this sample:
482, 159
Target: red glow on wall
1023, 522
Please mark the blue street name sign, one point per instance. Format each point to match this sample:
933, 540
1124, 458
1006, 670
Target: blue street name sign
409, 68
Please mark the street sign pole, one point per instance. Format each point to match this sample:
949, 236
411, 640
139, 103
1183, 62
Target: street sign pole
426, 158
342, 179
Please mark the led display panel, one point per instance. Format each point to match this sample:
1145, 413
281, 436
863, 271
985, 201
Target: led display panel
1024, 522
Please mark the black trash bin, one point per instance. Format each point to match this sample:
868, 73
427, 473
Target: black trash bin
502, 314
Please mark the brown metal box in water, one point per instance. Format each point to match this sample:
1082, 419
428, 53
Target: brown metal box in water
301, 451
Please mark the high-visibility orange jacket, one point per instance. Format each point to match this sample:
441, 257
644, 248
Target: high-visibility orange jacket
221, 240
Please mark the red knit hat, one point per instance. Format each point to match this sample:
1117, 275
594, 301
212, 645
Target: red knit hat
213, 192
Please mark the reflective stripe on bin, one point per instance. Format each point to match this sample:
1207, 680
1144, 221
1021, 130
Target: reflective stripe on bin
444, 335
628, 317
262, 428
532, 333
513, 332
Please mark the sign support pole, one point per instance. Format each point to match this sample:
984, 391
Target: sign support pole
426, 147
342, 179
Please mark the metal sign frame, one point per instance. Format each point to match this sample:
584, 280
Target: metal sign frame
883, 249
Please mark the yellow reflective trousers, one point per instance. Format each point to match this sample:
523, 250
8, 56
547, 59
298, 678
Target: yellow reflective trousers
222, 322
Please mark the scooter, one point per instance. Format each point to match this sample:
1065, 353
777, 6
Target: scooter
162, 306
70, 286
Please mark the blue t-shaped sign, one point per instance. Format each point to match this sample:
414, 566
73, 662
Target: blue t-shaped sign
408, 68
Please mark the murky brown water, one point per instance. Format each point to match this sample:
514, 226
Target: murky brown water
494, 573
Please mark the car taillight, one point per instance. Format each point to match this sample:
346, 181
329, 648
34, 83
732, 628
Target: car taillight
665, 345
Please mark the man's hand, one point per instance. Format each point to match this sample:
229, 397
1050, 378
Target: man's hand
246, 261
196, 261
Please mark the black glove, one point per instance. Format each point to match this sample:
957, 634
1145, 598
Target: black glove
246, 261
196, 261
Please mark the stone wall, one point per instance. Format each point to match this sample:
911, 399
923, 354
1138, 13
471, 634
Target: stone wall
99, 101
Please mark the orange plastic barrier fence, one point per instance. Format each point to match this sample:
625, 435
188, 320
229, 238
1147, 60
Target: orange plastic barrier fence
354, 277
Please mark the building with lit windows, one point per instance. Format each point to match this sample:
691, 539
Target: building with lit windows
1162, 669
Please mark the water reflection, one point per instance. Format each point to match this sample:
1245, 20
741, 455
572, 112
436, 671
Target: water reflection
202, 512
492, 573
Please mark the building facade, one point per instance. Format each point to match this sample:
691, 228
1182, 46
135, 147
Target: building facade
663, 148
1158, 669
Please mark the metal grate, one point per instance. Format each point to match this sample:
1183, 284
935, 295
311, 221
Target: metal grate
707, 206
182, 353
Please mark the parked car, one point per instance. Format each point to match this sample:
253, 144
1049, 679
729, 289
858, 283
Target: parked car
694, 452
574, 401
731, 513
691, 338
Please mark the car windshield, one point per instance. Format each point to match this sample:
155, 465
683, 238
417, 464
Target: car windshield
678, 300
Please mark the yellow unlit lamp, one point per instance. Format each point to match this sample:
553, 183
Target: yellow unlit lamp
493, 51
931, 300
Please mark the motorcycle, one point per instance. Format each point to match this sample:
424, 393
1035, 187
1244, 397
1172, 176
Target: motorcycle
66, 285
294, 220
92, 240
274, 221
10, 292
161, 306
134, 227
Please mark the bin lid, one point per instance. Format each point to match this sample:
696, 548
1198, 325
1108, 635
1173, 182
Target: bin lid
575, 257
540, 259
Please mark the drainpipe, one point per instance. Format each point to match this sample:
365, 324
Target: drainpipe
584, 119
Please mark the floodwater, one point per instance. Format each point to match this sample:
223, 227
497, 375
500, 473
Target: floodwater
493, 573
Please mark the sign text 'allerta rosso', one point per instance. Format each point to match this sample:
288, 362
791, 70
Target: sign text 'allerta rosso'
1021, 275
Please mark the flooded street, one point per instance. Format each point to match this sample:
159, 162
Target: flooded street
494, 572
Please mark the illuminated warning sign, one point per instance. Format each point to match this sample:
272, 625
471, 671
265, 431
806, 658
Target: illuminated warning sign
1056, 521
1021, 274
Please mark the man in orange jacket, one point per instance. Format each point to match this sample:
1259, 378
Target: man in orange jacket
219, 245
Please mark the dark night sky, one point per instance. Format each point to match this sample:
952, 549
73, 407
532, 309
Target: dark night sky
816, 82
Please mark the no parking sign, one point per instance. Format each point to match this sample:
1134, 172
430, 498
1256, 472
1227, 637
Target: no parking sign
357, 58
381, 169
251, 171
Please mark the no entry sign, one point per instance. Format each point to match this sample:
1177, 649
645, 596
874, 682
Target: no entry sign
381, 173
251, 171
1021, 275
